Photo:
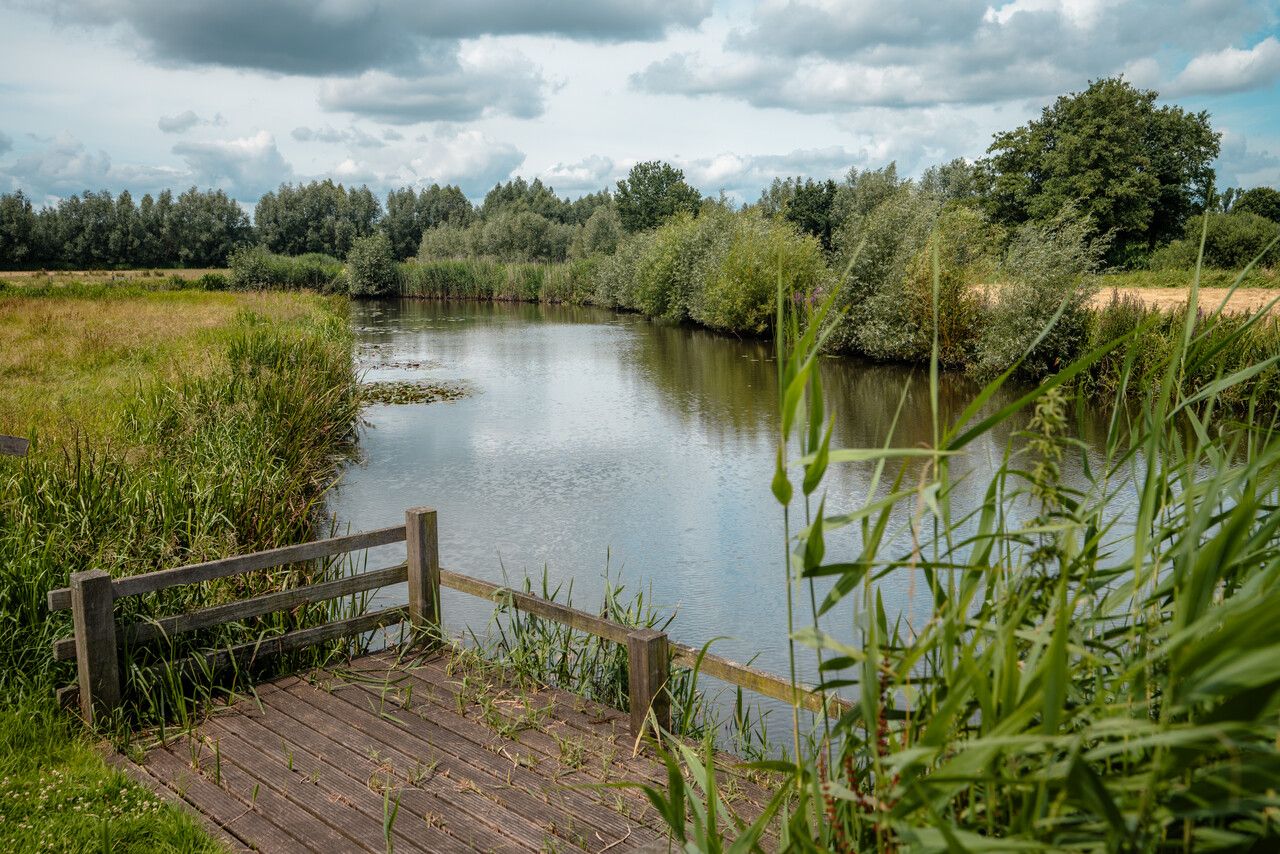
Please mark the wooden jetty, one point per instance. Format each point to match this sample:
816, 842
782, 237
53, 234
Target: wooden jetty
421, 748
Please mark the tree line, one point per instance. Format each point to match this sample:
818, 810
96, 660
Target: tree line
1136, 173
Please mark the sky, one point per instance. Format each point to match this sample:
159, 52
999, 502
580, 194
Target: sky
242, 95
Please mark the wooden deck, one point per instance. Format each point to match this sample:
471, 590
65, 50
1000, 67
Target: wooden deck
466, 760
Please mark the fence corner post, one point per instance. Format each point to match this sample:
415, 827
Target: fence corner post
97, 662
423, 551
648, 668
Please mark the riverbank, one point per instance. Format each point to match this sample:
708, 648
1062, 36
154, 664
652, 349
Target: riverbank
169, 427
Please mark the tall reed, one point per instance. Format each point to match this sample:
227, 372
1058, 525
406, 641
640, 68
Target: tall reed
1098, 667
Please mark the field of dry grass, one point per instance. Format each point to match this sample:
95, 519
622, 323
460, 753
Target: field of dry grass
66, 361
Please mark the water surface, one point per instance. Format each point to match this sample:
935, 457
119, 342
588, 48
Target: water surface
594, 441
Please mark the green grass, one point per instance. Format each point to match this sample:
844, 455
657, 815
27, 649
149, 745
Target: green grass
57, 795
169, 428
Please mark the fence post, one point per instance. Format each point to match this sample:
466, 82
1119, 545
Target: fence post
97, 663
648, 668
423, 549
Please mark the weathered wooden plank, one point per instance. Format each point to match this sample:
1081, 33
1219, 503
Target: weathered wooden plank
536, 605
97, 666
483, 808
242, 818
319, 794
343, 771
260, 793
150, 582
242, 609
249, 652
486, 759
753, 679
13, 446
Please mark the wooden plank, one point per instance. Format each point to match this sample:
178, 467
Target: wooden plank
97, 665
648, 670
167, 627
150, 582
754, 679
486, 758
422, 547
242, 818
478, 806
536, 605
263, 796
13, 446
252, 651
342, 769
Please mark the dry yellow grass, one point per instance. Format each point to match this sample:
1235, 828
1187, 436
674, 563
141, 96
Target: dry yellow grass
65, 361
1250, 299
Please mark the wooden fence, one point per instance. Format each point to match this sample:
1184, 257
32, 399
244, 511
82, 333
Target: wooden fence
97, 639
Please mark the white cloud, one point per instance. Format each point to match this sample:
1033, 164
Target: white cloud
1231, 70
588, 175
353, 136
245, 168
186, 120
64, 167
6, 142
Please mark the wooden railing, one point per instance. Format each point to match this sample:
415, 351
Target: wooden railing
95, 643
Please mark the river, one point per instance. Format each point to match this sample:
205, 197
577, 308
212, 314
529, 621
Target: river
592, 441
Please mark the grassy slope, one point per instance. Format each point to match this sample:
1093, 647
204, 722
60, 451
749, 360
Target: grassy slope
72, 366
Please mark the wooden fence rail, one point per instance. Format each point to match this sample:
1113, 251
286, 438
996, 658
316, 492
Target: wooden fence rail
95, 643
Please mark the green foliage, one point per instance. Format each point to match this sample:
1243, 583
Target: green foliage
762, 255
319, 217
683, 256
1138, 171
599, 235
1046, 273
97, 230
652, 193
807, 204
371, 267
56, 794
1232, 241
1263, 201
257, 268
1093, 673
481, 278
876, 248
410, 213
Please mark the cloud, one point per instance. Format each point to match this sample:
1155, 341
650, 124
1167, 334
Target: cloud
585, 176
64, 167
1243, 164
351, 136
186, 120
1231, 70
832, 56
392, 135
6, 142
245, 168
179, 123
455, 86
743, 176
467, 158
348, 37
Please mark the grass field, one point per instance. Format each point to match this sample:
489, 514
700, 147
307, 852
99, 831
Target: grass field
169, 426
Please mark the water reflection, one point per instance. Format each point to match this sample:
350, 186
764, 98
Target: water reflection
591, 437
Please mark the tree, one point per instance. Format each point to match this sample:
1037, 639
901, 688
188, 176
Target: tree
652, 193
371, 268
1263, 201
1134, 169
810, 209
17, 230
